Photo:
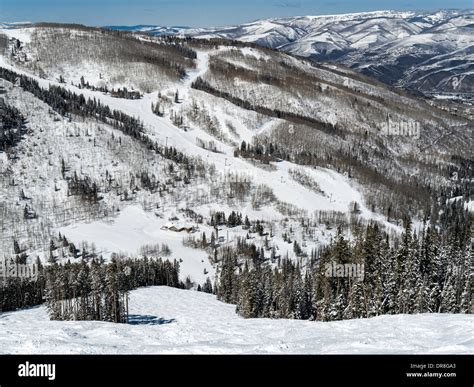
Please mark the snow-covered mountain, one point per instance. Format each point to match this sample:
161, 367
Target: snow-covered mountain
430, 52
223, 157
210, 103
150, 29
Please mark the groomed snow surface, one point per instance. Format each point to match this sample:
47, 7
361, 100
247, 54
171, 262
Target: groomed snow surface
173, 321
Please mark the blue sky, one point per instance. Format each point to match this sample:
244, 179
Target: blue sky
196, 12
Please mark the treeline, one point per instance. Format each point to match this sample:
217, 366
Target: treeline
100, 291
178, 45
425, 273
86, 85
125, 93
12, 125
17, 292
4, 41
66, 102
119, 47
263, 153
93, 290
230, 70
215, 43
119, 93
200, 84
234, 219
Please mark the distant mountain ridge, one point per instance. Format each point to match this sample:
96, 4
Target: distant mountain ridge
151, 29
432, 52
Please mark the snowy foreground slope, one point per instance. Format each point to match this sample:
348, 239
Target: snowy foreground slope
167, 320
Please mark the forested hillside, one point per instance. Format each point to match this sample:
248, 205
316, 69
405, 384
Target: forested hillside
228, 168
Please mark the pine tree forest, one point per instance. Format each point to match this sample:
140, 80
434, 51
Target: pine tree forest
93, 290
427, 272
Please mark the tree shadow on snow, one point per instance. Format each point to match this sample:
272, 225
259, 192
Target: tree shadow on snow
141, 319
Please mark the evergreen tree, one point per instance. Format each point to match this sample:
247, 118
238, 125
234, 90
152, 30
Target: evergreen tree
207, 287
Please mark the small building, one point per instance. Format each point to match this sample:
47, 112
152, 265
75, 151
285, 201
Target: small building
176, 227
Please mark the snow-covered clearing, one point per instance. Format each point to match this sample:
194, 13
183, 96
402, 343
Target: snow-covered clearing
166, 320
135, 228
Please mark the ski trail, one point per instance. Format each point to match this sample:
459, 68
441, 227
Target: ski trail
202, 65
338, 192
